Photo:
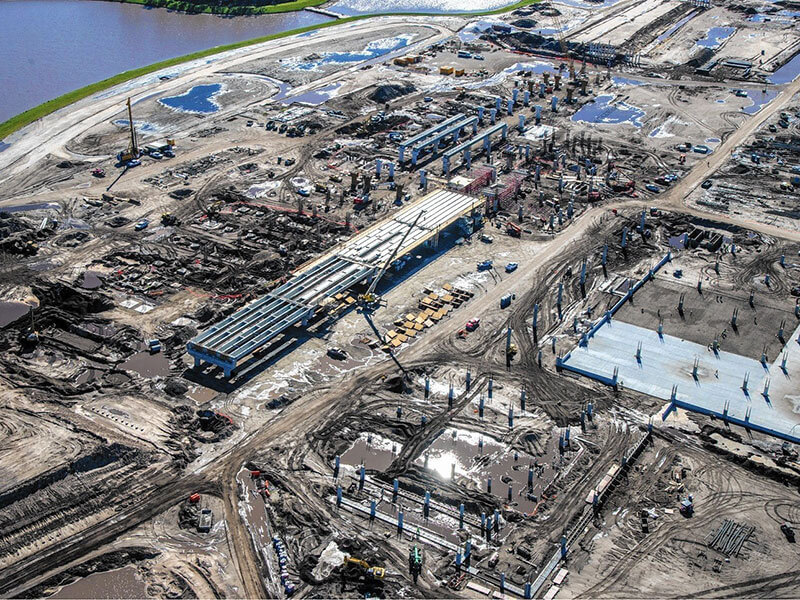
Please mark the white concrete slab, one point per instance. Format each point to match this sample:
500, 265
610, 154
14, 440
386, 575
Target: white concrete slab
668, 361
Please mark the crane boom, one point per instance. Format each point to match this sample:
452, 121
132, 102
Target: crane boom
134, 146
369, 295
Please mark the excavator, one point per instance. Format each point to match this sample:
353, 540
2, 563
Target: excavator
371, 572
370, 299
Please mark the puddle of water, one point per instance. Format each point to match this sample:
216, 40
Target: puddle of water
678, 241
142, 126
495, 460
201, 394
315, 97
11, 311
602, 111
759, 99
373, 451
626, 81
148, 365
715, 36
787, 73
198, 100
91, 280
120, 583
374, 49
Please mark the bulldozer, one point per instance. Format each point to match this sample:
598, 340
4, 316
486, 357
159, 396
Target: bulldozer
371, 572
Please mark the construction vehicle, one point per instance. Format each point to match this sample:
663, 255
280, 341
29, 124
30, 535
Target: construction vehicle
98, 172
485, 265
512, 351
594, 196
369, 298
371, 572
513, 229
687, 507
415, 562
132, 151
168, 219
337, 354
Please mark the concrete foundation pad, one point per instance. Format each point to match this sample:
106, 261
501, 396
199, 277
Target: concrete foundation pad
717, 389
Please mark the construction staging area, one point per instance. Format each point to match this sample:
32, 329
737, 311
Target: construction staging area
416, 307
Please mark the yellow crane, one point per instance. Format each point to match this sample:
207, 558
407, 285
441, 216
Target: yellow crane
132, 151
370, 298
373, 572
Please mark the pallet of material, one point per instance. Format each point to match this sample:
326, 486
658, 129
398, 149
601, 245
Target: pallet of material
418, 326
410, 333
402, 338
559, 578
429, 323
408, 325
350, 300
448, 298
447, 287
391, 334
395, 343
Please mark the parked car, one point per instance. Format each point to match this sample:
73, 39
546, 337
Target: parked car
707, 184
141, 225
511, 267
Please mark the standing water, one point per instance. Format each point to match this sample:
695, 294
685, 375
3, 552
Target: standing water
120, 583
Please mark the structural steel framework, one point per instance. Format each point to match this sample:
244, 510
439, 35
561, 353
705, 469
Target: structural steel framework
236, 337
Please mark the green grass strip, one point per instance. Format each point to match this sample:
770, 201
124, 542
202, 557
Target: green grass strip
37, 112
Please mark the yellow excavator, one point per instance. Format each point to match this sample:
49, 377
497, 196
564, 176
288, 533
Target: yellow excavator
372, 572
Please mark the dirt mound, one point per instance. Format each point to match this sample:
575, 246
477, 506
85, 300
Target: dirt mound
385, 93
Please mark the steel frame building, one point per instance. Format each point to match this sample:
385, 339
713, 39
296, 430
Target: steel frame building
239, 335
466, 147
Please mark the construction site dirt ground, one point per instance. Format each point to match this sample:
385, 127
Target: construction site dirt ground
509, 471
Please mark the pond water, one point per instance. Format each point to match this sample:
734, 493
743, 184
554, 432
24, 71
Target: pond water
787, 73
715, 37
198, 100
50, 47
602, 111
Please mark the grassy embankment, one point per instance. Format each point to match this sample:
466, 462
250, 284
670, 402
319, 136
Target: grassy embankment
37, 112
